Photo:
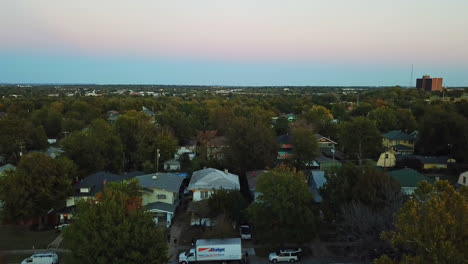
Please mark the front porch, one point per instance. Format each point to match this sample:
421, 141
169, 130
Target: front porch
163, 213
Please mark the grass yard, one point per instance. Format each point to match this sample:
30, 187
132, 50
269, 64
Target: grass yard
14, 237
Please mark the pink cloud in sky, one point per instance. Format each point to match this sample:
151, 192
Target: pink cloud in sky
364, 31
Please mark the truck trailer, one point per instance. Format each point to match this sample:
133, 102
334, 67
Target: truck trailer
209, 250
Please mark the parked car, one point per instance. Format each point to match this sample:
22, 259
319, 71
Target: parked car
61, 227
42, 258
246, 232
289, 255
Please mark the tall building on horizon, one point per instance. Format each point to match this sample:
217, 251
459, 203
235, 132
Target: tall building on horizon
429, 84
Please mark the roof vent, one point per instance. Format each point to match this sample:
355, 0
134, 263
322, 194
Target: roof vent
155, 177
226, 171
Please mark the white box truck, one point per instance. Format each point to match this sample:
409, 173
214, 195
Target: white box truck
221, 250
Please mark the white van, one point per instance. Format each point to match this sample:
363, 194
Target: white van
42, 258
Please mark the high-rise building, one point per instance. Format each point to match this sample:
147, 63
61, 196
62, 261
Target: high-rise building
429, 84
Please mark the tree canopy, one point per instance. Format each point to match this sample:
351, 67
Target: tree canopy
36, 186
360, 138
283, 212
115, 228
432, 227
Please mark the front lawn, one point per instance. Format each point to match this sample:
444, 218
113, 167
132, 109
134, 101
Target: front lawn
15, 237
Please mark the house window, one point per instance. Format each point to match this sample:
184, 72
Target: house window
204, 194
161, 196
84, 190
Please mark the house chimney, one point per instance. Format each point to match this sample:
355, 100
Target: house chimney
226, 171
104, 181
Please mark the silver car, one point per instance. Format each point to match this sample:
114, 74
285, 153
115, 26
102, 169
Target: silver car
288, 255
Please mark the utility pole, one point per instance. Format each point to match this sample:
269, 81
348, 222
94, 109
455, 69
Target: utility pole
157, 160
22, 147
65, 133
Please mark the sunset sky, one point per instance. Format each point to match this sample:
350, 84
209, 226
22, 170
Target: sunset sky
241, 42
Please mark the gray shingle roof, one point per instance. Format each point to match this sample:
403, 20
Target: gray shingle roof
397, 135
164, 181
95, 182
213, 179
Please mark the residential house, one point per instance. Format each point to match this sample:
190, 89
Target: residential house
285, 147
189, 147
54, 152
316, 180
172, 165
325, 144
86, 189
6, 167
387, 159
149, 113
325, 163
400, 141
291, 117
212, 145
434, 162
161, 195
408, 179
463, 179
428, 162
326, 147
252, 177
112, 116
204, 182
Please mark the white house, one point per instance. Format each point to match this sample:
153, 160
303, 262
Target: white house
172, 165
463, 179
204, 182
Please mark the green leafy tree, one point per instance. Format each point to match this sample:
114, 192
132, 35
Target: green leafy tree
115, 228
360, 139
36, 186
252, 144
432, 227
443, 132
283, 212
162, 139
98, 148
50, 119
406, 120
19, 135
230, 203
362, 200
385, 118
362, 109
306, 147
281, 125
133, 128
363, 184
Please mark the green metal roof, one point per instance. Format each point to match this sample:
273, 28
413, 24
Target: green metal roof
397, 135
408, 177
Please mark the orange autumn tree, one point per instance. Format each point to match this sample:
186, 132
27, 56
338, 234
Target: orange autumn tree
115, 228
